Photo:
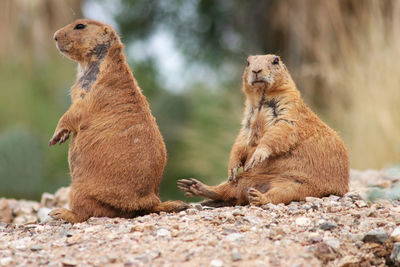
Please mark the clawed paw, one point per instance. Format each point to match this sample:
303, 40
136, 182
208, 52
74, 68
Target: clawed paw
58, 213
233, 173
191, 187
255, 197
261, 154
60, 137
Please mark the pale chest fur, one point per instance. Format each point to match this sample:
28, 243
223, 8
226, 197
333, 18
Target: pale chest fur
260, 118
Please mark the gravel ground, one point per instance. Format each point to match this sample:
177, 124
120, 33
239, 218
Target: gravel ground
332, 231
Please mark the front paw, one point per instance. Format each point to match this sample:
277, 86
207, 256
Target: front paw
60, 137
191, 187
58, 214
233, 172
261, 154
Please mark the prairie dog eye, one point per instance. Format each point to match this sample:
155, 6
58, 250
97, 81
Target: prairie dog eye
276, 61
248, 63
79, 26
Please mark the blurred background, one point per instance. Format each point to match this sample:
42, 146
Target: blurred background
188, 57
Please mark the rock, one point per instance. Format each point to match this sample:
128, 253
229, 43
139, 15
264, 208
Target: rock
237, 212
7, 261
376, 236
384, 184
349, 261
22, 208
74, 239
216, 263
332, 242
361, 204
5, 211
315, 237
395, 235
353, 195
48, 200
251, 219
65, 232
303, 221
234, 237
43, 215
25, 219
62, 197
372, 176
163, 233
323, 251
36, 247
69, 263
198, 206
174, 233
395, 255
236, 256
313, 199
191, 211
293, 209
328, 226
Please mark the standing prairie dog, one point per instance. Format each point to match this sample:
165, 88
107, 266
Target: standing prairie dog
286, 151
116, 154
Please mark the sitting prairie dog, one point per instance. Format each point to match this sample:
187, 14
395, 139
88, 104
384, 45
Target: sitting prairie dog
286, 151
116, 154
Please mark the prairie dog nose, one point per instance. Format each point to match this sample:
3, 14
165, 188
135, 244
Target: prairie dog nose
55, 37
256, 72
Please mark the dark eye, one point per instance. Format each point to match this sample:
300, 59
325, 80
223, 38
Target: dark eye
79, 27
248, 63
276, 61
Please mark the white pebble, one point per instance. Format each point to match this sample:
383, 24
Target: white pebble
396, 234
303, 221
234, 237
163, 233
216, 263
332, 242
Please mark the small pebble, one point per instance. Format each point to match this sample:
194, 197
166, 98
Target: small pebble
328, 226
395, 235
395, 255
332, 242
236, 256
234, 237
216, 263
36, 247
163, 233
303, 221
376, 236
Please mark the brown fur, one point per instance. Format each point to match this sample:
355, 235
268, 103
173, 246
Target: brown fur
116, 154
286, 151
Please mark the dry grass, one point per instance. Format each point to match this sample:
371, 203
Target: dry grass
345, 56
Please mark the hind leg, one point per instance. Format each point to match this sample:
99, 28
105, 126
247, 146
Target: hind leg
170, 206
225, 192
280, 192
82, 208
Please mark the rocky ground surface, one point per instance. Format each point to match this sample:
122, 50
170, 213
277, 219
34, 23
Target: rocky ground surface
332, 231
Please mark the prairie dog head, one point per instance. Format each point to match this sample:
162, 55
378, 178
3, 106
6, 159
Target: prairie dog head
264, 72
85, 40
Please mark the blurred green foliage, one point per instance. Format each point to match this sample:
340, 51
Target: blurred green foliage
29, 110
21, 163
